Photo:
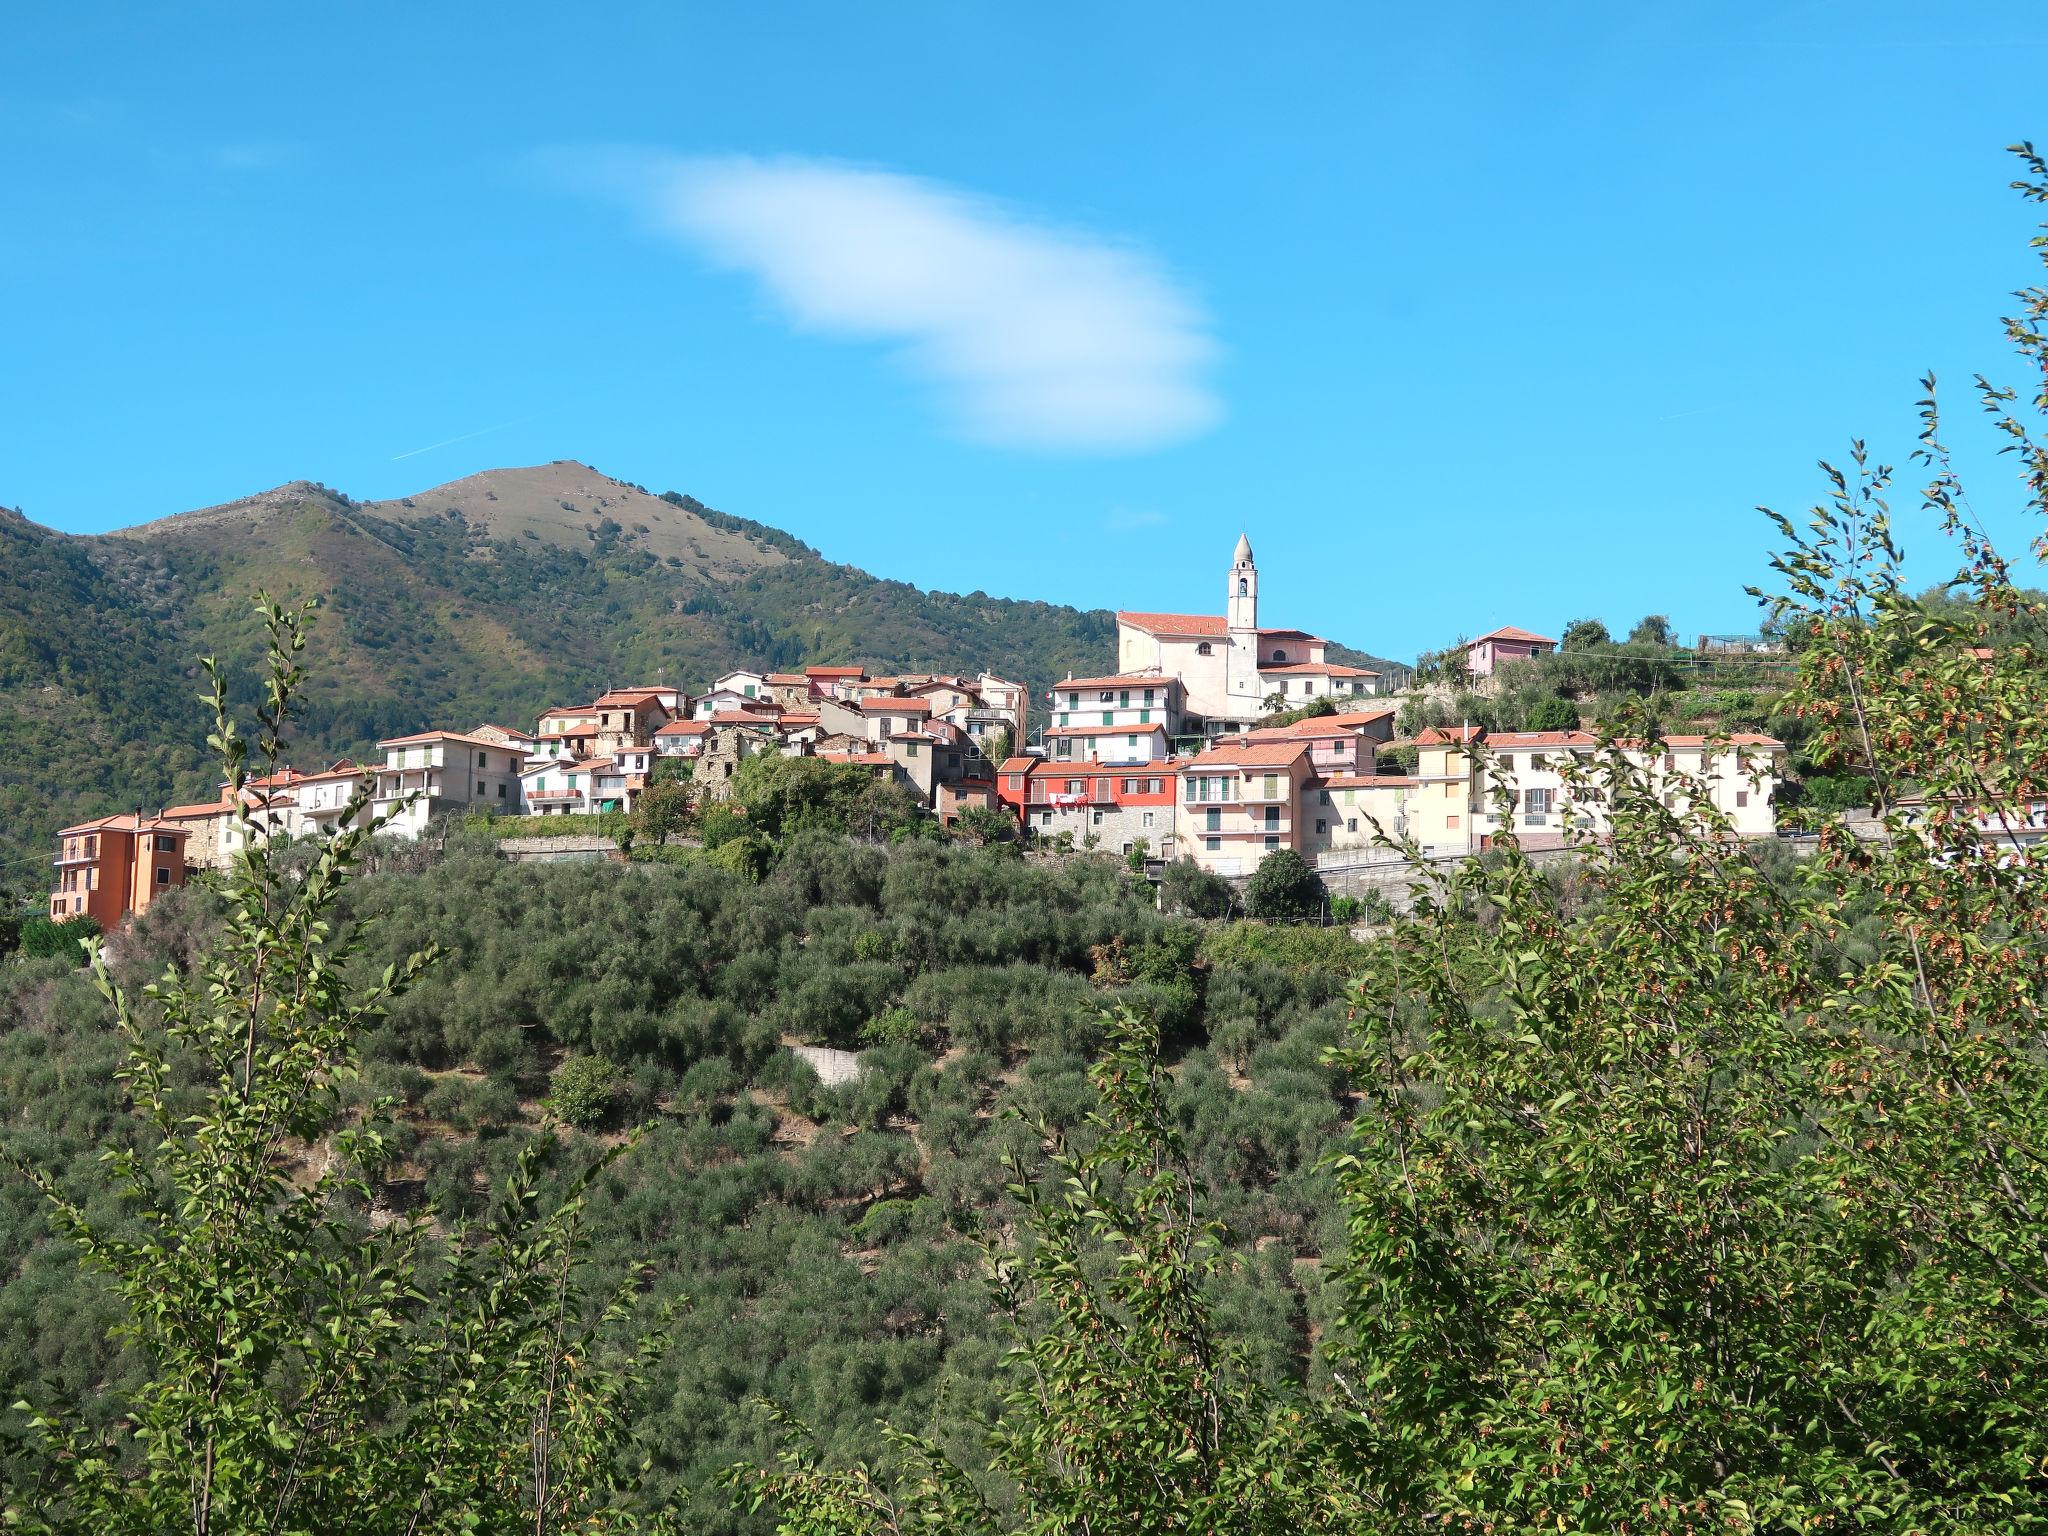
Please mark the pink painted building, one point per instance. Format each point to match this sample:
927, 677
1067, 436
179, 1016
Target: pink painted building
1505, 644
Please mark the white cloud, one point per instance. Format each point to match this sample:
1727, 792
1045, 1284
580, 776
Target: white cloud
1033, 336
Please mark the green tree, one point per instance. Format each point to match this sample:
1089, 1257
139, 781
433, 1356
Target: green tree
1654, 629
1585, 635
307, 1368
665, 809
1717, 1203
1186, 887
1551, 714
1284, 888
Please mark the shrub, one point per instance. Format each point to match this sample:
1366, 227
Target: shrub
584, 1092
1187, 887
1284, 888
41, 938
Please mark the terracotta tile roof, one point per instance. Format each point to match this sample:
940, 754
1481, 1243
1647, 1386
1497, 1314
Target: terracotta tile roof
864, 759
629, 696
197, 811
124, 823
1509, 632
425, 736
1514, 741
1288, 634
1448, 736
1176, 623
1121, 680
1020, 764
798, 717
896, 706
1369, 781
682, 728
1315, 728
787, 679
1318, 668
835, 672
1268, 754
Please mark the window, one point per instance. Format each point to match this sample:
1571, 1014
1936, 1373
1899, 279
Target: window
1214, 823
166, 844
1320, 827
1045, 818
1205, 649
1016, 781
1351, 824
1127, 846
1131, 740
1213, 844
1272, 815
1152, 786
1097, 818
1144, 717
1741, 798
1109, 717
1507, 762
1146, 820
1279, 655
501, 791
163, 874
1129, 786
1148, 695
1272, 843
1073, 701
1244, 587
1074, 786
1324, 797
1123, 700
1451, 822
1272, 786
482, 761
910, 748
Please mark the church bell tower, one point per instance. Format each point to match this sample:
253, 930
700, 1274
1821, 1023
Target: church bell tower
1241, 668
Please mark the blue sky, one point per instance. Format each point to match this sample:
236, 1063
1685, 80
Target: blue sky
1470, 315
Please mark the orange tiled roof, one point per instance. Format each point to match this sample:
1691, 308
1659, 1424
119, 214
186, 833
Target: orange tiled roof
1510, 741
1448, 736
896, 706
1318, 668
1020, 764
1176, 623
835, 672
1509, 632
196, 811
683, 728
1269, 754
623, 696
864, 759
1369, 781
128, 822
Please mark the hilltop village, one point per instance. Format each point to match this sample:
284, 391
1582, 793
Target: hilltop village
1175, 753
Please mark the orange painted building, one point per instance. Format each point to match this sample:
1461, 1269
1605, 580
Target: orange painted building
109, 868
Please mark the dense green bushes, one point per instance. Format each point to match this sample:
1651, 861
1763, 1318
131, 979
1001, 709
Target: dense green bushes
826, 1236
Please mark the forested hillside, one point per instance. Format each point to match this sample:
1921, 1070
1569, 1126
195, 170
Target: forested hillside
827, 1240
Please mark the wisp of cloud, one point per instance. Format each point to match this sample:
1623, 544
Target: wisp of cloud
1036, 337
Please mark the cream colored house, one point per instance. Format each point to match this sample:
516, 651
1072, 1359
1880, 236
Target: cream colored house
433, 773
1240, 801
1456, 808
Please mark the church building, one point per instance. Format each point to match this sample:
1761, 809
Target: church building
1233, 672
